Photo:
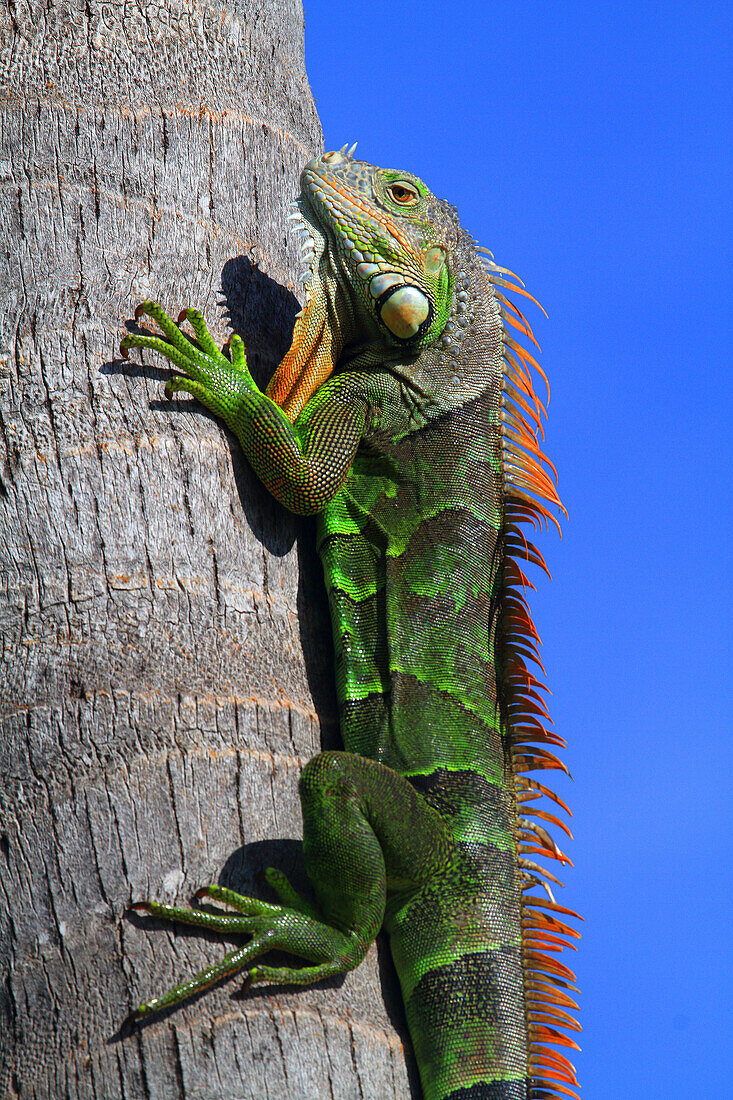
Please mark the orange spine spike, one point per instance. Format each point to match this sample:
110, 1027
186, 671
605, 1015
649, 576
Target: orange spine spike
553, 820
528, 865
531, 499
558, 1088
532, 784
528, 359
555, 1060
535, 990
514, 289
516, 323
551, 1035
555, 908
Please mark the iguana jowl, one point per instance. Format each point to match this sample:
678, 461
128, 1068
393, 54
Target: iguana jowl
404, 415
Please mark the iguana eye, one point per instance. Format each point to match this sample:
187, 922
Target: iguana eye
402, 194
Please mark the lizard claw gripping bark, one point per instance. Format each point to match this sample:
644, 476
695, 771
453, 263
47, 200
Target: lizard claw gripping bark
405, 416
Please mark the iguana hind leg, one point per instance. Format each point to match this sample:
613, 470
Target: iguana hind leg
365, 832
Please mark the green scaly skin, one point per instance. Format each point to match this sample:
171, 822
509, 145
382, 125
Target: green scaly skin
414, 826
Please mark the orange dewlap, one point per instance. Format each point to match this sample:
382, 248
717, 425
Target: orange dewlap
309, 361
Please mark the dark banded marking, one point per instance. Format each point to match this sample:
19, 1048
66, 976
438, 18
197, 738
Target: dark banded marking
493, 1090
452, 791
453, 927
433, 563
467, 1019
470, 986
425, 724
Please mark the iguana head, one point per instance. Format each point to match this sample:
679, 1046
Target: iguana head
384, 244
378, 252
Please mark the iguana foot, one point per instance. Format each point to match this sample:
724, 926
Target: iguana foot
294, 927
218, 383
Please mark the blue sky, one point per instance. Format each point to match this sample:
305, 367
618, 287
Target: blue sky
589, 146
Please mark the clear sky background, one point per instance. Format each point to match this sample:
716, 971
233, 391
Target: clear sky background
589, 146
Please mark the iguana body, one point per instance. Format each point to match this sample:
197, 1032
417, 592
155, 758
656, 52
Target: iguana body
405, 417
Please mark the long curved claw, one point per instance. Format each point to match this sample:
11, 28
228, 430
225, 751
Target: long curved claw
232, 962
204, 337
155, 343
250, 906
169, 327
200, 918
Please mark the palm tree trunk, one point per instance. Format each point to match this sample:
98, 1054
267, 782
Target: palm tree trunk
164, 667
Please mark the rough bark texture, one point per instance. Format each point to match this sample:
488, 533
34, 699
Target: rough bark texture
164, 662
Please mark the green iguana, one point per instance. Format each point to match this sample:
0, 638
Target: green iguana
404, 415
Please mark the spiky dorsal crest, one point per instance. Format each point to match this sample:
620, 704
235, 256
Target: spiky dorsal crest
531, 500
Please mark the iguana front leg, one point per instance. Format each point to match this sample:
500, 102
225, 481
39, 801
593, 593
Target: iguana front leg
303, 464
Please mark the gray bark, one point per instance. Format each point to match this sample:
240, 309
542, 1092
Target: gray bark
164, 670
